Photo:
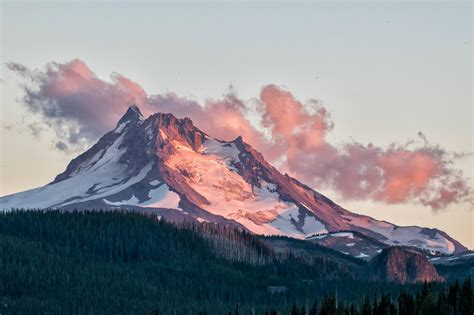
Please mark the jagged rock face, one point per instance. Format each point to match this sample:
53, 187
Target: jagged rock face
169, 167
396, 264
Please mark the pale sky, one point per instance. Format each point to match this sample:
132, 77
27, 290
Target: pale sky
385, 72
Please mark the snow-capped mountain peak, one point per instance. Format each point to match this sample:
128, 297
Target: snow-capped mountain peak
167, 166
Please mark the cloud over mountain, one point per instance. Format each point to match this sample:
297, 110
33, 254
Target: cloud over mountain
80, 107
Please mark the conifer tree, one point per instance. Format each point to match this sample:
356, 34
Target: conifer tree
465, 298
314, 308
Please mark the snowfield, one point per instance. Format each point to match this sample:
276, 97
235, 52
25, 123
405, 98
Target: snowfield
406, 236
212, 174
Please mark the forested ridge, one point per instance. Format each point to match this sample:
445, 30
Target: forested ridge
123, 263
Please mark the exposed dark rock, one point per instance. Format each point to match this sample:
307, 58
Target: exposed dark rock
133, 114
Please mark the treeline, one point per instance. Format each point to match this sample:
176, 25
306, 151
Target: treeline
455, 300
124, 263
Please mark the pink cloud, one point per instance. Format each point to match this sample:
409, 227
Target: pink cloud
394, 175
80, 107
406, 173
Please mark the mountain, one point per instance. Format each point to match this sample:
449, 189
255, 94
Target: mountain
397, 264
166, 166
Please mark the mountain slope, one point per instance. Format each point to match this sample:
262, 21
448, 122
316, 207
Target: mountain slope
350, 243
167, 166
123, 263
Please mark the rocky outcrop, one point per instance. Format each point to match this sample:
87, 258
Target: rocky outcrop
402, 265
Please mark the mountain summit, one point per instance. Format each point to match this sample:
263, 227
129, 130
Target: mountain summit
166, 166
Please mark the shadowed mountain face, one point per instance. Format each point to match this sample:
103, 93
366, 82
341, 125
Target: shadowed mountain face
167, 166
396, 264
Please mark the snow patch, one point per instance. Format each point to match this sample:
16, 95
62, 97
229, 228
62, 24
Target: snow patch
161, 197
132, 201
343, 234
163, 135
121, 127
